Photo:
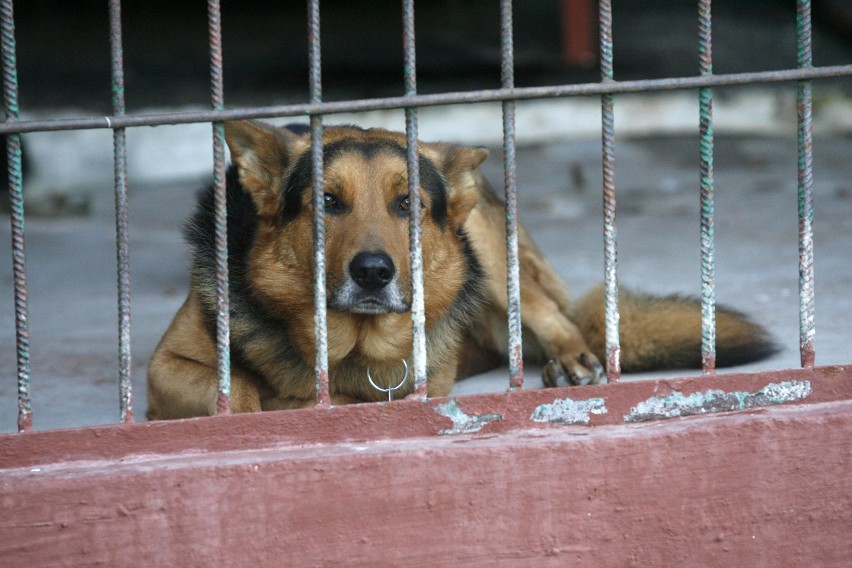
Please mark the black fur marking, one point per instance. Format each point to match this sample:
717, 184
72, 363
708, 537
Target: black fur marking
472, 295
298, 128
246, 312
300, 179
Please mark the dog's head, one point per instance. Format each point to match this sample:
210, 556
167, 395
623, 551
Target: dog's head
367, 209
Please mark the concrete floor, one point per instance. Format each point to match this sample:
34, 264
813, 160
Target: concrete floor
71, 261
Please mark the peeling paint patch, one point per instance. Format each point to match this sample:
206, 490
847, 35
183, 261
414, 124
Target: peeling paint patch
568, 411
463, 423
706, 402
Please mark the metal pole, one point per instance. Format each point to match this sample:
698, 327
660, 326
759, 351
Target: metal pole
16, 196
223, 319
418, 310
513, 279
125, 385
708, 252
805, 140
320, 318
613, 347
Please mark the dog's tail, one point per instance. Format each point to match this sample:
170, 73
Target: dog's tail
665, 332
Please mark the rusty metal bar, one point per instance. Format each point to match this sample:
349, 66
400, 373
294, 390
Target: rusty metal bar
125, 385
613, 346
513, 279
16, 197
418, 310
320, 314
708, 252
463, 97
223, 315
804, 106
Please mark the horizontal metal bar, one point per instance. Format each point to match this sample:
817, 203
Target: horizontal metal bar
487, 95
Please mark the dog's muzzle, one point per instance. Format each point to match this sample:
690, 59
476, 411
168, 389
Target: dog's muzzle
370, 286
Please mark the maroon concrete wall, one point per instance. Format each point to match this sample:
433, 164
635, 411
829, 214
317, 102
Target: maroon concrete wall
766, 486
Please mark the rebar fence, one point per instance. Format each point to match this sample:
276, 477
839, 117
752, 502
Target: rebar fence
411, 101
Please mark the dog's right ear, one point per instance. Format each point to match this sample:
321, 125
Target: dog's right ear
262, 154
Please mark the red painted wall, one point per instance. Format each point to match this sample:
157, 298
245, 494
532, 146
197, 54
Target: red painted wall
763, 487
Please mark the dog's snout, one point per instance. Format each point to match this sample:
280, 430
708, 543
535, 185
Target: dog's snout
372, 270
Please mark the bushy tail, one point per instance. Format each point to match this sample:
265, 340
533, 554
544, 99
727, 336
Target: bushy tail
665, 332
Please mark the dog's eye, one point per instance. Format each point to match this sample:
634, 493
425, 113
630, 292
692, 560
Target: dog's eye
332, 204
403, 205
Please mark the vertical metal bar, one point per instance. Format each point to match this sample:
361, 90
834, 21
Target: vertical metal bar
418, 310
320, 321
125, 387
16, 196
513, 285
804, 113
708, 253
223, 319
613, 346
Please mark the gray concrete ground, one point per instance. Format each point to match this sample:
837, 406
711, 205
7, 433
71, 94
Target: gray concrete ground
71, 261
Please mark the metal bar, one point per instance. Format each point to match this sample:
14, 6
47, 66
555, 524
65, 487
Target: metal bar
121, 218
223, 315
513, 278
125, 385
16, 196
613, 346
804, 57
320, 317
486, 95
418, 310
708, 252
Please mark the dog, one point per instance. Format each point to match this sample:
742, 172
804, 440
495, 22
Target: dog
367, 210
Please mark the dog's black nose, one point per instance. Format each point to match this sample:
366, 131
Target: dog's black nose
372, 270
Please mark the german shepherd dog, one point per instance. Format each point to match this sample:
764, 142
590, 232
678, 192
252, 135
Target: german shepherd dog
367, 209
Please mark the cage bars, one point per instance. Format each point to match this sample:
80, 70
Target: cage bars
223, 315
125, 386
323, 396
804, 115
513, 278
613, 346
418, 309
16, 197
707, 197
12, 127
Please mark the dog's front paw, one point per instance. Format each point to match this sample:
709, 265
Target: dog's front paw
580, 369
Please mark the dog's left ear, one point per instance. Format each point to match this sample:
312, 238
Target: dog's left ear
262, 154
460, 166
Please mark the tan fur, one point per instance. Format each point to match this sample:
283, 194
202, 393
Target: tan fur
182, 371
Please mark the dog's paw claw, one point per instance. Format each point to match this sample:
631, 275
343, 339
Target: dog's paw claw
598, 372
585, 369
553, 373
